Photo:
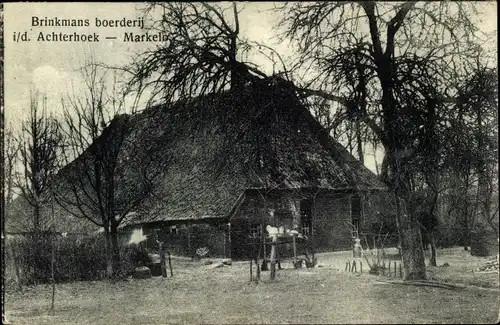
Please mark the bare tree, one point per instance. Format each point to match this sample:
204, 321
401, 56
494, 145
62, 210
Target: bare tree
404, 55
38, 147
11, 158
39, 153
10, 174
110, 171
204, 53
479, 119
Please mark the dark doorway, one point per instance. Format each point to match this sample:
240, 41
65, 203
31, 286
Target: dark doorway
306, 217
356, 213
244, 236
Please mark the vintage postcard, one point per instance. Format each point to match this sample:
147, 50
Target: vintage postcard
249, 162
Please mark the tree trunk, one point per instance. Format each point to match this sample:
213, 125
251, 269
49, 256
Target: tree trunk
36, 217
433, 248
396, 145
465, 213
112, 253
359, 141
115, 250
466, 229
410, 236
15, 263
384, 169
235, 73
109, 257
411, 245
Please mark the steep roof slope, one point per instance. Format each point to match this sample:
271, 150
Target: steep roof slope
213, 148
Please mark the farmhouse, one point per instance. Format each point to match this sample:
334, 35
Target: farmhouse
239, 163
233, 163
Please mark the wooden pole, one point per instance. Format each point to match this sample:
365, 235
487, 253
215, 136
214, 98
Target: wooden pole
311, 240
273, 258
251, 273
52, 260
361, 266
257, 263
191, 254
400, 271
278, 257
252, 258
162, 260
224, 244
170, 264
294, 242
395, 271
265, 248
263, 242
229, 239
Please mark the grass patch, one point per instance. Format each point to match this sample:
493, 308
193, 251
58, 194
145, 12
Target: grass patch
198, 295
462, 269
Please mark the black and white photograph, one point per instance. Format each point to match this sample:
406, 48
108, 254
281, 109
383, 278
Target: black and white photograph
287, 162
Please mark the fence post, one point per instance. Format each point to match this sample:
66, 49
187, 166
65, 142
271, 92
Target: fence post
170, 264
162, 260
273, 258
251, 273
257, 265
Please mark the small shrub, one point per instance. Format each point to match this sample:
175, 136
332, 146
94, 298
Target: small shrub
376, 256
75, 258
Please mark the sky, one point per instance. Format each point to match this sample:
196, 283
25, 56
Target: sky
51, 67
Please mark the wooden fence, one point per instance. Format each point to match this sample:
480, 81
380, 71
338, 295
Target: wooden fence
387, 268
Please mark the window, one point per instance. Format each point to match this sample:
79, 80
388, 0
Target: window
173, 230
306, 217
255, 231
356, 213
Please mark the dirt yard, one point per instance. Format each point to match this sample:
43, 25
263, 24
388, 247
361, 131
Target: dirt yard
198, 295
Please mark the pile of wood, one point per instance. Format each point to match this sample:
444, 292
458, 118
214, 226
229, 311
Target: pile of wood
490, 265
218, 264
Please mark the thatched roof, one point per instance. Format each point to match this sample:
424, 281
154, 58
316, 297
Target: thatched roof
260, 138
213, 148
